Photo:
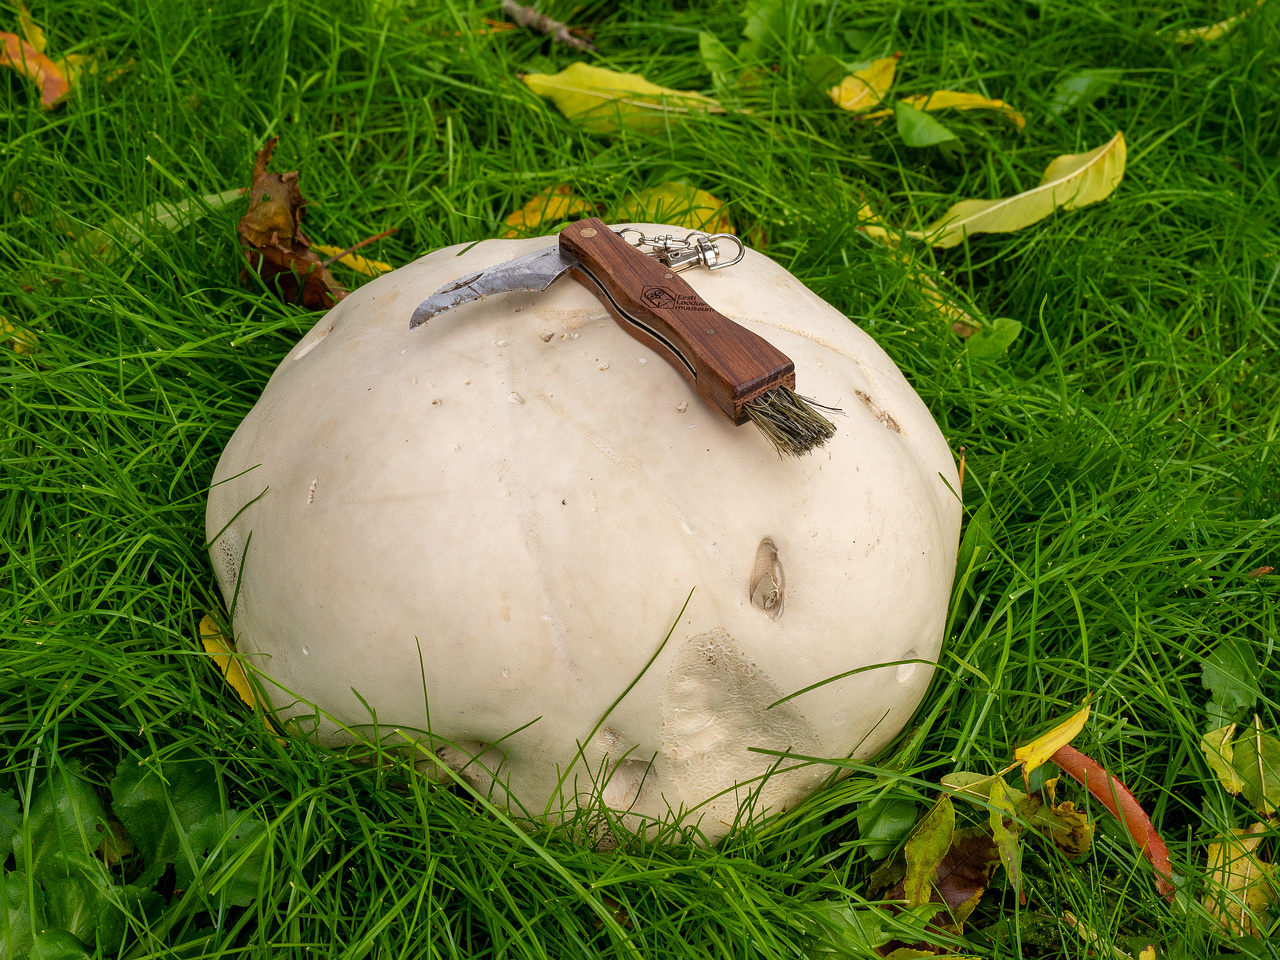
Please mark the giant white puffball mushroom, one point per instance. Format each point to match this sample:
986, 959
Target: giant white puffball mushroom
486, 527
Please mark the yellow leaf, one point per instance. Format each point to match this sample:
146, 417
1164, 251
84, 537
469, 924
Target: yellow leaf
1039, 750
1215, 31
957, 100
1071, 181
370, 268
216, 643
553, 205
1218, 753
30, 29
863, 89
18, 338
941, 303
677, 204
1147, 953
605, 101
1240, 883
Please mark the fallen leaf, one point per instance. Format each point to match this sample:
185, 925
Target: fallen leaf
122, 235
1039, 750
954, 100
863, 89
917, 128
1069, 182
1005, 831
990, 341
1147, 953
20, 339
217, 645
1240, 882
551, 207
1230, 673
1257, 760
274, 244
370, 268
605, 101
677, 204
1218, 753
963, 323
765, 27
34, 65
1214, 31
925, 849
961, 875
882, 825
1115, 796
56, 78
1082, 88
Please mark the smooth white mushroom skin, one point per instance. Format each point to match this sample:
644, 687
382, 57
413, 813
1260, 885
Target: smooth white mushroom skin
499, 527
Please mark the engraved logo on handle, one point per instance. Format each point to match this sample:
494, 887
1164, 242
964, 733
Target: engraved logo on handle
660, 298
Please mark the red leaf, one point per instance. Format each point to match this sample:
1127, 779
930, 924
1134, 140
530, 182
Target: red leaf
30, 62
1115, 796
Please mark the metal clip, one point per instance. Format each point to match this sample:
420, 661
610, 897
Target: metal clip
694, 250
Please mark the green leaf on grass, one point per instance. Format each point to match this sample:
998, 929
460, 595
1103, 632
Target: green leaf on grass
1005, 830
1082, 88
1257, 759
884, 824
929, 843
821, 72
919, 129
1230, 674
10, 821
65, 823
16, 926
58, 945
1219, 754
993, 340
766, 20
179, 820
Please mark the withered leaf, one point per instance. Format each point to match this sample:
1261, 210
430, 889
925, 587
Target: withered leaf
549, 208
925, 849
1039, 750
1240, 882
1005, 831
963, 873
274, 244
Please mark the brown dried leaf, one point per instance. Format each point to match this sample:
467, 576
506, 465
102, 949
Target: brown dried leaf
274, 244
34, 65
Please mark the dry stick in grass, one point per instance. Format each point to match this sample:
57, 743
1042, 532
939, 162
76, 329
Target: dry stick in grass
354, 247
529, 17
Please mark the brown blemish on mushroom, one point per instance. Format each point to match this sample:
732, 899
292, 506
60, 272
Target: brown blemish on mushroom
878, 411
311, 341
767, 583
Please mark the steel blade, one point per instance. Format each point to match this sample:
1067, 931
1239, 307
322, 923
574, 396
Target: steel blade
534, 271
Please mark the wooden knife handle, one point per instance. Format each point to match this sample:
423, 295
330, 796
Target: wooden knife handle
726, 363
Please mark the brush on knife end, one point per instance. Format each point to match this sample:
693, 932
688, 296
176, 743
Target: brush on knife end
791, 422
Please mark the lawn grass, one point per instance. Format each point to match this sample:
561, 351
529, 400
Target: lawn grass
1126, 448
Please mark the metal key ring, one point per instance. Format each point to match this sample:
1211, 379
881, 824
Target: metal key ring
742, 250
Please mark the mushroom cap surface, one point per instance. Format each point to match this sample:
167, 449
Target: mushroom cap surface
485, 528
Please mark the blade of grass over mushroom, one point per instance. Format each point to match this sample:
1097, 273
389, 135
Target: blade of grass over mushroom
605, 101
1115, 796
1069, 182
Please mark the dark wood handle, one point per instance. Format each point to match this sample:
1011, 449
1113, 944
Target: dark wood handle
726, 363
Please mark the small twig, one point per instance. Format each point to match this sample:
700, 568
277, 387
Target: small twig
363, 243
962, 451
529, 17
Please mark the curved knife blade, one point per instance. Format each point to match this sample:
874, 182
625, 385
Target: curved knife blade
534, 271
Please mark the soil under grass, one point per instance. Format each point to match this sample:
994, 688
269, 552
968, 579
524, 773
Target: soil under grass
1126, 450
